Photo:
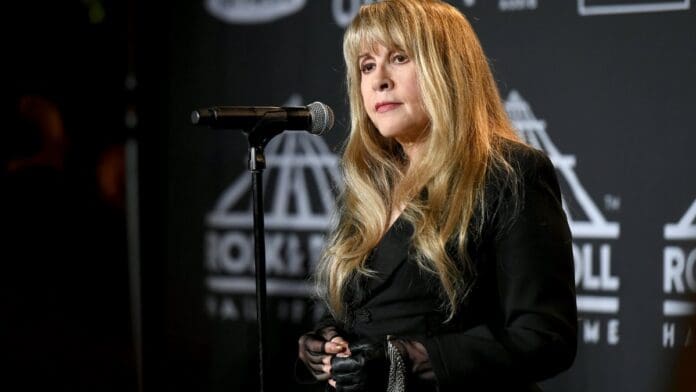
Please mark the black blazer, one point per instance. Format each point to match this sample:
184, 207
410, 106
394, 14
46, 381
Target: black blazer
518, 325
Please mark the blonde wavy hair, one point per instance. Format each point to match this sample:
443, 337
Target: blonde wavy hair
463, 143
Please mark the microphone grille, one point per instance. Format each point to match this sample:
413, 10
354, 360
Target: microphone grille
322, 117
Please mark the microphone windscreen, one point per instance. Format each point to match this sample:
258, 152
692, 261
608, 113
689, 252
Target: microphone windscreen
322, 118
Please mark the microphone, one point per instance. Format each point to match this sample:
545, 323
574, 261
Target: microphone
316, 118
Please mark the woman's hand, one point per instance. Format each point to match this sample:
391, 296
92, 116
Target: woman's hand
316, 349
366, 366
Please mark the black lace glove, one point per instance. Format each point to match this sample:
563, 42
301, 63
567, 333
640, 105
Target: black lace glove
317, 347
367, 368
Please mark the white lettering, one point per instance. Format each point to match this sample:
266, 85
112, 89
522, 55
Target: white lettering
287, 254
674, 265
608, 282
613, 332
590, 281
586, 275
233, 308
690, 271
234, 252
668, 335
274, 261
584, 255
577, 262
590, 330
678, 268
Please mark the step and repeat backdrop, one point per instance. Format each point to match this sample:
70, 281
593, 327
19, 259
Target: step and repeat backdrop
607, 88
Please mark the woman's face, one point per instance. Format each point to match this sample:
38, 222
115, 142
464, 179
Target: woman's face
391, 95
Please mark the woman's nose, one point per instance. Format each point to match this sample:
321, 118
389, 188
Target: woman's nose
382, 80
385, 84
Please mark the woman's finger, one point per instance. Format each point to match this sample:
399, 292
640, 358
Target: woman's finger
339, 340
343, 343
334, 348
326, 369
312, 343
317, 368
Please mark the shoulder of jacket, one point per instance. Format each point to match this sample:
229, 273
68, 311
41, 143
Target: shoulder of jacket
524, 158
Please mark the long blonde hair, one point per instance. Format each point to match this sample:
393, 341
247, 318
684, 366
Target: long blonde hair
445, 189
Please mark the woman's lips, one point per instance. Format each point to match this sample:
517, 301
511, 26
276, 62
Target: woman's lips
386, 106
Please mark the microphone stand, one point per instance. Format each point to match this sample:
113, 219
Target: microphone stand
270, 125
273, 122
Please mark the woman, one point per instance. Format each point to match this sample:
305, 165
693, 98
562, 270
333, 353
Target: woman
450, 267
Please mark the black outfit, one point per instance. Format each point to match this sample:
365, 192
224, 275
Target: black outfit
517, 326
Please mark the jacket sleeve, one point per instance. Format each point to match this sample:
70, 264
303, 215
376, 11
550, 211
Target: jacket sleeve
535, 336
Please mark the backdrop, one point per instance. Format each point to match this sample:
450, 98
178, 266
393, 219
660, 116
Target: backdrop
605, 87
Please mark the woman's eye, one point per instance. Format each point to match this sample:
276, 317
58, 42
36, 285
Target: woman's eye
400, 58
367, 67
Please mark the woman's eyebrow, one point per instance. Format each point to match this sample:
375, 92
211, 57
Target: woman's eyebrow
361, 56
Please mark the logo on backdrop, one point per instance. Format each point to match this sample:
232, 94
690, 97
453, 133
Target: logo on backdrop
252, 11
679, 281
612, 7
593, 235
345, 10
343, 14
517, 5
299, 184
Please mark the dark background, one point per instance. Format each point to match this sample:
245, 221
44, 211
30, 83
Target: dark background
615, 91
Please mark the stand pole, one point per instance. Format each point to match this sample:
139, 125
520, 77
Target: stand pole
257, 163
270, 125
